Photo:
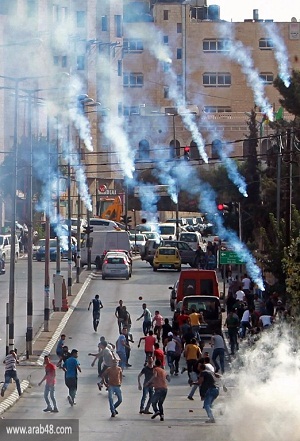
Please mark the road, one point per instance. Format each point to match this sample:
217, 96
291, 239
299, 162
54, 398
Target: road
184, 420
21, 298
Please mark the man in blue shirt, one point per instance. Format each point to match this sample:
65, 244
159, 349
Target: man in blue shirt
71, 366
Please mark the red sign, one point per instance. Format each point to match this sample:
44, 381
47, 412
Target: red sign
102, 188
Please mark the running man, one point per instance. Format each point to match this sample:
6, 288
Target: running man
97, 306
112, 379
11, 362
49, 377
71, 367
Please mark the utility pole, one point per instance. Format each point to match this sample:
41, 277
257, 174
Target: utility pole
288, 212
69, 220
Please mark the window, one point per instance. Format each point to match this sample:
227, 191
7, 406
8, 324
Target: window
64, 14
265, 44
179, 80
131, 110
179, 28
267, 77
166, 66
166, 14
80, 62
55, 60
166, 92
104, 23
118, 26
64, 61
31, 8
144, 149
133, 45
120, 109
217, 79
216, 45
166, 39
120, 68
133, 79
179, 53
217, 109
80, 16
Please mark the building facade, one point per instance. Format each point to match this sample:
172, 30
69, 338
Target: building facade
146, 62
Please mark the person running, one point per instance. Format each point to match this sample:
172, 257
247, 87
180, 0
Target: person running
159, 381
97, 306
147, 322
192, 353
121, 315
159, 355
49, 377
232, 322
71, 367
121, 345
10, 372
65, 355
149, 340
112, 379
147, 371
60, 345
159, 321
208, 390
208, 366
218, 345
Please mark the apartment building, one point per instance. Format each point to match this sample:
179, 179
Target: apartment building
146, 62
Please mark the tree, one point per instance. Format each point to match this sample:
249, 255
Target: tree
291, 94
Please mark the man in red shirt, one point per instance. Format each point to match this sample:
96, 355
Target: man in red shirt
150, 340
159, 355
181, 319
49, 377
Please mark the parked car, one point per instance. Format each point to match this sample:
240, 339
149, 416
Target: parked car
5, 247
187, 254
137, 242
115, 265
167, 258
40, 253
150, 248
192, 238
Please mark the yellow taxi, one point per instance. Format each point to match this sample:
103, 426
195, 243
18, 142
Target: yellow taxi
167, 258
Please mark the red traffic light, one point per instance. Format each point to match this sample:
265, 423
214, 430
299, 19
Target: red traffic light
220, 207
186, 149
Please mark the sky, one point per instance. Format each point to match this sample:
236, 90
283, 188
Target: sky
278, 10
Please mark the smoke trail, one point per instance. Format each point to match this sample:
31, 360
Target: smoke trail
242, 55
77, 114
164, 174
153, 41
280, 52
149, 199
266, 389
231, 167
188, 180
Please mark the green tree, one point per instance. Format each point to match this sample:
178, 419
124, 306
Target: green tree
290, 94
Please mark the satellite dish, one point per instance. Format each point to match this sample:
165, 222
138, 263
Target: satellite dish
294, 20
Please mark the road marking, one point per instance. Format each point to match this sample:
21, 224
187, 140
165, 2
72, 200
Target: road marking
13, 397
47, 350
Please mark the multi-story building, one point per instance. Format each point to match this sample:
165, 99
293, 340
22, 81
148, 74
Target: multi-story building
146, 62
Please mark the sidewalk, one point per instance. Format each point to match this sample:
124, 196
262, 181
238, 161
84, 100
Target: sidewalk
44, 342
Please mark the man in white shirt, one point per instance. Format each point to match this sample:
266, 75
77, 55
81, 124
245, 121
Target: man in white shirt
245, 322
265, 321
240, 295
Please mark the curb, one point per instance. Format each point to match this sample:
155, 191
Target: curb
25, 384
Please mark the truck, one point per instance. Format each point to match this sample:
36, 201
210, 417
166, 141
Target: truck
110, 208
195, 282
102, 241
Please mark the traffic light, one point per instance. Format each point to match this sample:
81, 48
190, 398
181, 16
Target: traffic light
88, 230
223, 208
186, 153
126, 219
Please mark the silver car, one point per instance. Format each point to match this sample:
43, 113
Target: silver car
115, 266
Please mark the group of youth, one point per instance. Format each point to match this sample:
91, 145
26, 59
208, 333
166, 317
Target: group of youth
112, 359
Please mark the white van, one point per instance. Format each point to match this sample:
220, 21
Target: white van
167, 231
103, 224
192, 238
101, 241
5, 247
